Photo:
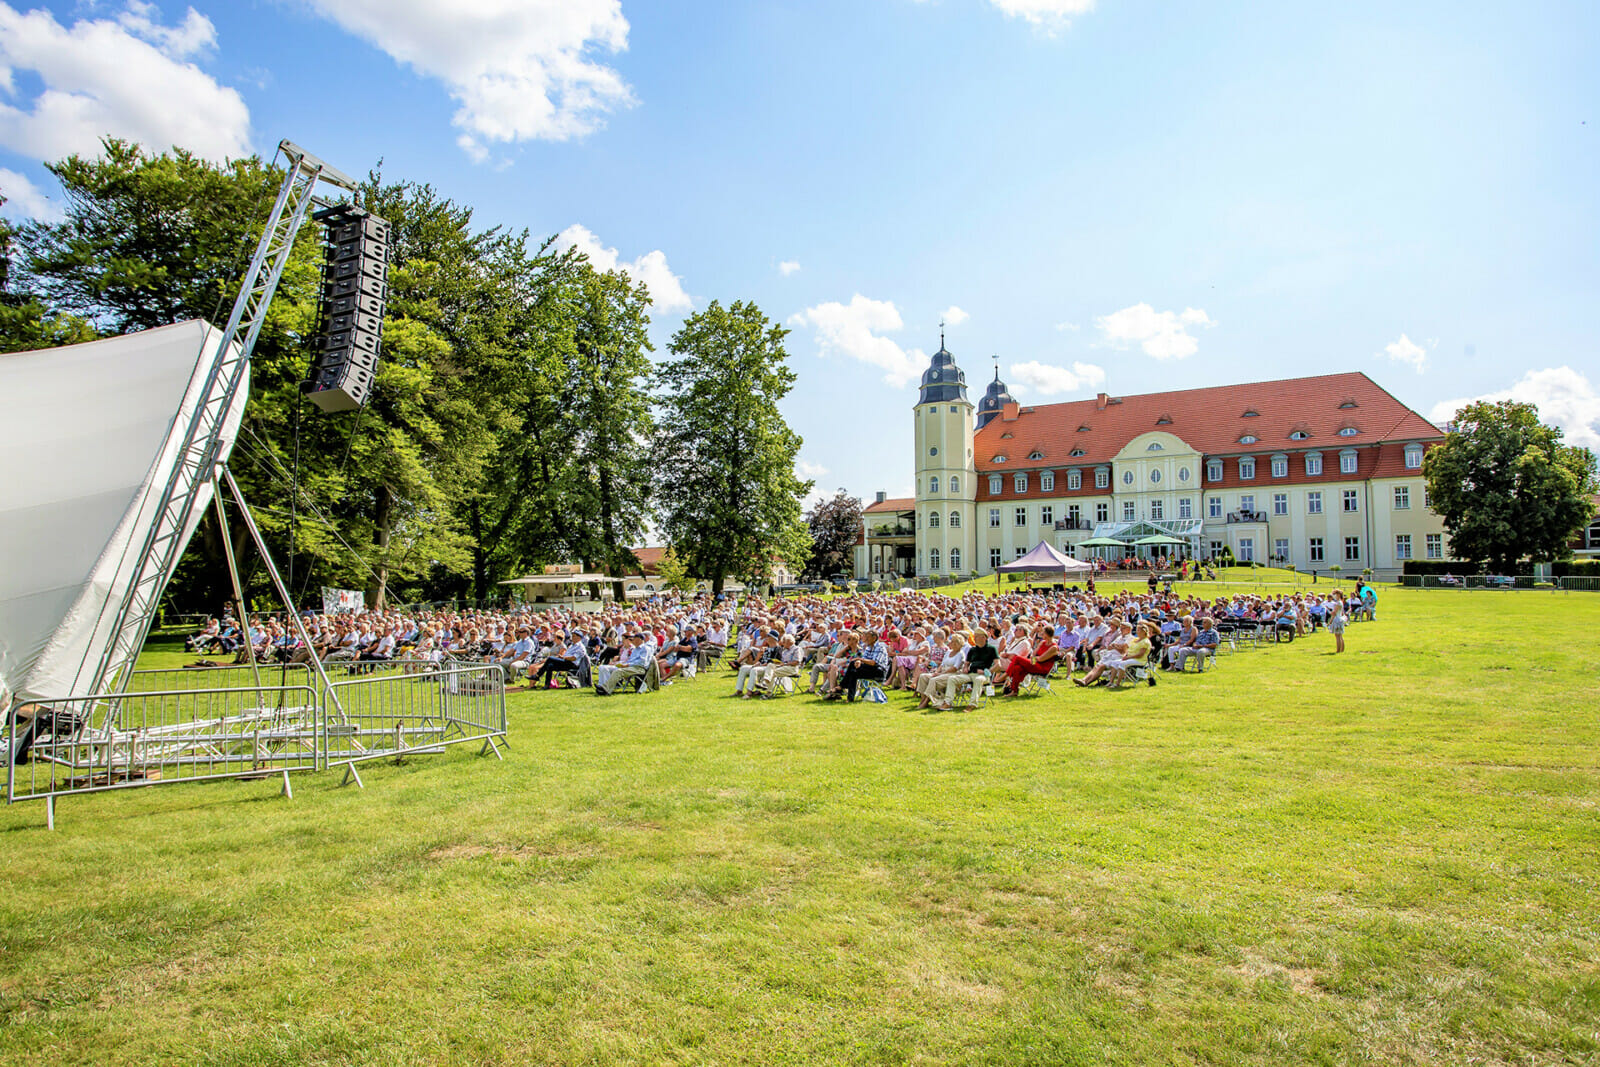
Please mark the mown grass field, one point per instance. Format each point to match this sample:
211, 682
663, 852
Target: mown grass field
1390, 856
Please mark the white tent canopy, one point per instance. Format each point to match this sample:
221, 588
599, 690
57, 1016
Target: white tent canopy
1044, 558
90, 435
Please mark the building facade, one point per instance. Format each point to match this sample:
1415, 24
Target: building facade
1306, 473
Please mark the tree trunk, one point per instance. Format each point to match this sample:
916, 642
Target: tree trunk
382, 520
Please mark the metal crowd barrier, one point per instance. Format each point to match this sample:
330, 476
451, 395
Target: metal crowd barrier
241, 722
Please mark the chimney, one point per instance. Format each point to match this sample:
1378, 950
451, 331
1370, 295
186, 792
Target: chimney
1009, 412
1100, 401
881, 497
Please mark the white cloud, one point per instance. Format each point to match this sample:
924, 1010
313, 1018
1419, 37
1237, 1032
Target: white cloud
954, 316
26, 200
1163, 334
125, 77
1067, 326
809, 470
788, 267
854, 330
1407, 351
1564, 397
519, 69
1048, 14
666, 288
1049, 380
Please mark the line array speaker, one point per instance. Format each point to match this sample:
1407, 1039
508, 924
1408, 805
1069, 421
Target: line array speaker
354, 293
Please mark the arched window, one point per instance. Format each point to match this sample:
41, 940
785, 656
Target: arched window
1347, 461
955, 559
933, 484
1074, 479
1020, 481
1313, 462
933, 559
955, 486
955, 519
1413, 457
994, 485
1280, 466
1247, 467
933, 519
1047, 481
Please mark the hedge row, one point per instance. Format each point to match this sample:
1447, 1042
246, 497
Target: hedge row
1561, 568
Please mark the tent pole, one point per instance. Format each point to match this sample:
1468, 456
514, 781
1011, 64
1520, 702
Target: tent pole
283, 590
233, 573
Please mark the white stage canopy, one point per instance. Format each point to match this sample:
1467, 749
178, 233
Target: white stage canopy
1045, 557
90, 434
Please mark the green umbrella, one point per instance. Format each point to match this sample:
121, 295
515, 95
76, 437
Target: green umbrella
1102, 542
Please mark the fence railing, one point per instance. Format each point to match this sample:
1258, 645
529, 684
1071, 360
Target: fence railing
1569, 583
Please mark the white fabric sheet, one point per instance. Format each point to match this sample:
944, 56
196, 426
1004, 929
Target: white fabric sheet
89, 435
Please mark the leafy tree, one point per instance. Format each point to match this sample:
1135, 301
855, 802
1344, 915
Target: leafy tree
725, 449
835, 525
25, 323
1506, 487
672, 572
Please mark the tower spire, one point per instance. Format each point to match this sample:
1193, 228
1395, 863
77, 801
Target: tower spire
997, 366
941, 331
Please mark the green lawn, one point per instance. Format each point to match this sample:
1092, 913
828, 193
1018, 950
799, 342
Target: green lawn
1390, 856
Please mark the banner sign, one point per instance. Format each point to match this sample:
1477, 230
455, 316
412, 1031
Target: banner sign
339, 601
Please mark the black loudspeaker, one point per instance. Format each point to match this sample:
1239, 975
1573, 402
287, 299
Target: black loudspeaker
354, 294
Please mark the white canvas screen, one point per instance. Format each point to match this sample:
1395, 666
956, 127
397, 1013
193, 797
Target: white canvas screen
90, 434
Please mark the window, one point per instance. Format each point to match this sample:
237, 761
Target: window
1280, 548
1280, 466
955, 520
1414, 457
933, 484
1348, 402
1183, 474
1156, 509
1314, 550
1250, 413
1247, 549
1074, 516
1249, 439
1313, 463
1084, 428
933, 451
1214, 506
1352, 500
954, 410
1299, 435
1352, 550
994, 516
1047, 515
1348, 431
1036, 454
1214, 470
955, 484
1020, 552
999, 457
933, 519
1402, 497
994, 485
1247, 468
1077, 452
1102, 512
1247, 504
1280, 503
1047, 481
1074, 479
1021, 517
1425, 496
955, 559
994, 558
1127, 511
1216, 548
933, 559
1102, 478
1402, 546
1127, 477
1314, 503
1019, 482
1433, 545
1155, 476
1185, 508
1347, 461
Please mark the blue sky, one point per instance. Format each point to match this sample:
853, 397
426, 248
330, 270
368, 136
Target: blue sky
1105, 195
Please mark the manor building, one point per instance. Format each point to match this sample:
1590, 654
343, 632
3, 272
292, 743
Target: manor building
1305, 472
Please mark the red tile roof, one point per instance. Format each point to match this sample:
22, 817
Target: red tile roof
895, 503
649, 559
1211, 420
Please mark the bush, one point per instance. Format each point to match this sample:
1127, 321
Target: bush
1576, 568
1460, 568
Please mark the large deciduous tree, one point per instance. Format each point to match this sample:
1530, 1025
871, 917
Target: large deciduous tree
835, 525
724, 451
1507, 487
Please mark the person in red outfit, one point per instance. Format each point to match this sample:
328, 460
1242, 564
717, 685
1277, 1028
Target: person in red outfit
1043, 658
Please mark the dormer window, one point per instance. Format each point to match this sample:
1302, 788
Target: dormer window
1000, 457
1348, 431
1006, 436
1213, 470
1413, 457
1250, 413
1036, 454
1019, 482
1154, 446
1348, 402
1249, 439
1076, 452
1247, 467
1084, 428
994, 485
1165, 420
1299, 435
